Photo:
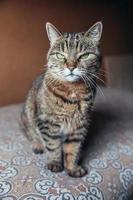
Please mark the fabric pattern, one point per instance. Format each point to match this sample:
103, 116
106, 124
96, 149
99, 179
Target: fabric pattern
108, 155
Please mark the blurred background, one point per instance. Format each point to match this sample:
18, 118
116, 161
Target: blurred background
24, 43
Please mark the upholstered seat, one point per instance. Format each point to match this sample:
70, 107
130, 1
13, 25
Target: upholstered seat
108, 156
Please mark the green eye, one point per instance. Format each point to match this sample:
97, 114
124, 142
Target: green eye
84, 56
87, 56
60, 56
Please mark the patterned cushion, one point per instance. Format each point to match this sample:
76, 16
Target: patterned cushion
108, 156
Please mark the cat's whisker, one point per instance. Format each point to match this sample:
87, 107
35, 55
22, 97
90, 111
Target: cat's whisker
96, 73
84, 80
88, 83
98, 87
100, 74
104, 71
91, 80
97, 77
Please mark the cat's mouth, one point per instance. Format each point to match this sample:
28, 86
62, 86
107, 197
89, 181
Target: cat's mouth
72, 77
72, 74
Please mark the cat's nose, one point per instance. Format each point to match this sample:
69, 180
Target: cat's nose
71, 68
71, 65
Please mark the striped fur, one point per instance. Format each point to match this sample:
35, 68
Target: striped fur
57, 112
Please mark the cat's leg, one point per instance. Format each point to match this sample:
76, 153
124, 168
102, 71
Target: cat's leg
28, 124
38, 146
71, 150
51, 135
32, 134
71, 154
55, 161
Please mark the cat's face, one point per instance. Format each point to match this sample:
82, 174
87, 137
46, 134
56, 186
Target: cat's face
74, 56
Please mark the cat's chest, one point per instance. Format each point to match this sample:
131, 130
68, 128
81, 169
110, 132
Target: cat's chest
73, 102
64, 105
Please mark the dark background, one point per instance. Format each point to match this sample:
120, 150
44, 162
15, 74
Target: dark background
24, 43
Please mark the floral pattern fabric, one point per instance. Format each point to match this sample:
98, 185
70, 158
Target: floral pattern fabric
108, 156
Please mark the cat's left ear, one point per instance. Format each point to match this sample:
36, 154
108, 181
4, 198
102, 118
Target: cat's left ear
95, 32
52, 32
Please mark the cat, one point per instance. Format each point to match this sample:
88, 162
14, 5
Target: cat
57, 112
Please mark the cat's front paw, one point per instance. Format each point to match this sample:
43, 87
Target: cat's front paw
79, 171
55, 166
37, 147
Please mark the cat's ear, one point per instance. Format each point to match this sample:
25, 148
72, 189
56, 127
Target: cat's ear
95, 32
52, 32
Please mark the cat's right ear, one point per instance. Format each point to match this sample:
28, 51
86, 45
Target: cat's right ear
52, 32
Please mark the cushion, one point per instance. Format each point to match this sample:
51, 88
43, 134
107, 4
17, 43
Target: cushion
108, 155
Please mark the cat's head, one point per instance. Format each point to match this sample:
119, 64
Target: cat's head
74, 56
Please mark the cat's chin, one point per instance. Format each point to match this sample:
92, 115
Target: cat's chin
72, 79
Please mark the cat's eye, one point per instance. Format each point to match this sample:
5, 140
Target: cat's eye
84, 56
88, 56
60, 56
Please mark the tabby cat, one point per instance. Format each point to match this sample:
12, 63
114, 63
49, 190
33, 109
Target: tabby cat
57, 112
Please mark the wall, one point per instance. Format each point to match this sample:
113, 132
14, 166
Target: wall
23, 40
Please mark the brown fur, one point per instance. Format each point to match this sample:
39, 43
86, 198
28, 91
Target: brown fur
55, 102
57, 113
